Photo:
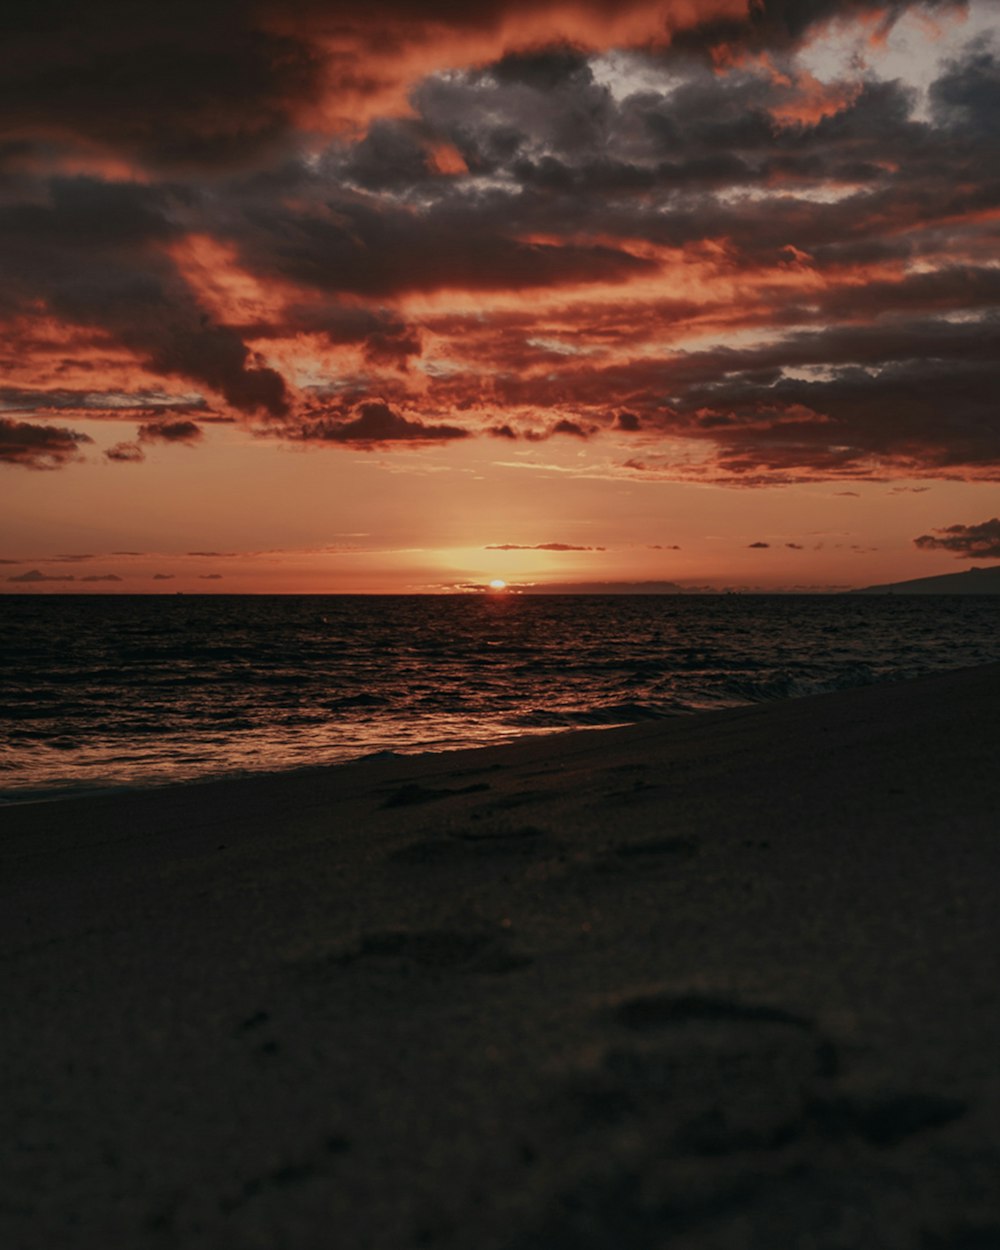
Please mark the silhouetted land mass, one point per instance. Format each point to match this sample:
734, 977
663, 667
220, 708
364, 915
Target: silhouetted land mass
974, 581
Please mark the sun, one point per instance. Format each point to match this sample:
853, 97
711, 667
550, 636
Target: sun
498, 584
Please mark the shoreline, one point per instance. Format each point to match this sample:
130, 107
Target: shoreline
11, 798
719, 982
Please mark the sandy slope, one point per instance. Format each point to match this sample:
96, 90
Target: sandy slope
727, 982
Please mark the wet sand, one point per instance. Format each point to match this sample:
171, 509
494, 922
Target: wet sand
724, 983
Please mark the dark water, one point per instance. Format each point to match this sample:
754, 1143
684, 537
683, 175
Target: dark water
98, 691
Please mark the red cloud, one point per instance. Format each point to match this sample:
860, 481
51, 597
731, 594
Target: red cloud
125, 453
374, 423
170, 431
521, 252
38, 446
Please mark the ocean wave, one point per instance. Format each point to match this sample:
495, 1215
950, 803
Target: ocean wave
606, 714
145, 690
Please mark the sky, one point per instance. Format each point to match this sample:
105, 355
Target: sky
306, 296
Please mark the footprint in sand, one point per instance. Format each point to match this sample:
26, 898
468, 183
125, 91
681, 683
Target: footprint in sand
709, 1115
413, 792
470, 843
880, 1118
981, 1237
438, 950
653, 848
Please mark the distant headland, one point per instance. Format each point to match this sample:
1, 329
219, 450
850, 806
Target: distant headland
974, 581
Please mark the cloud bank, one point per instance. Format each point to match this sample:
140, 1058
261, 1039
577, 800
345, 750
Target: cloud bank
969, 542
722, 237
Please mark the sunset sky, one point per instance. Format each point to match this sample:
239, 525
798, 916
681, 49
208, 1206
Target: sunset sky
311, 296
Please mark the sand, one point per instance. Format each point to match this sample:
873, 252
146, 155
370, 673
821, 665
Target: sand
728, 983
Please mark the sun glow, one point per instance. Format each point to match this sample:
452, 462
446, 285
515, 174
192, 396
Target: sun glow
498, 584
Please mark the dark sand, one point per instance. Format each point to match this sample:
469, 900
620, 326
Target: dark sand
726, 983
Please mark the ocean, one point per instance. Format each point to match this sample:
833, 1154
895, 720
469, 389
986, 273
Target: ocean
101, 692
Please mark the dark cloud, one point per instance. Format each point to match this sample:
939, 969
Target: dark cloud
383, 335
854, 233
110, 75
543, 69
101, 577
758, 544
125, 453
61, 399
966, 98
106, 76
374, 423
95, 252
170, 431
36, 576
210, 577
163, 577
39, 446
376, 249
784, 24
794, 546
572, 428
968, 542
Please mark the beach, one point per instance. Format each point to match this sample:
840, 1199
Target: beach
720, 982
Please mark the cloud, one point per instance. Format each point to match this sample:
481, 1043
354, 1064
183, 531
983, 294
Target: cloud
125, 453
968, 542
375, 423
38, 446
572, 428
257, 74
628, 421
485, 226
758, 544
794, 546
163, 577
99, 255
101, 577
89, 401
170, 431
210, 577
34, 576
540, 547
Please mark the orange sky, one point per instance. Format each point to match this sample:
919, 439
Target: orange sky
596, 295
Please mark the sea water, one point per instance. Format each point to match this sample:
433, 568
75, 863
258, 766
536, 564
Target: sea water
105, 691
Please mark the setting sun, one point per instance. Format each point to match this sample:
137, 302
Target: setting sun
498, 584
